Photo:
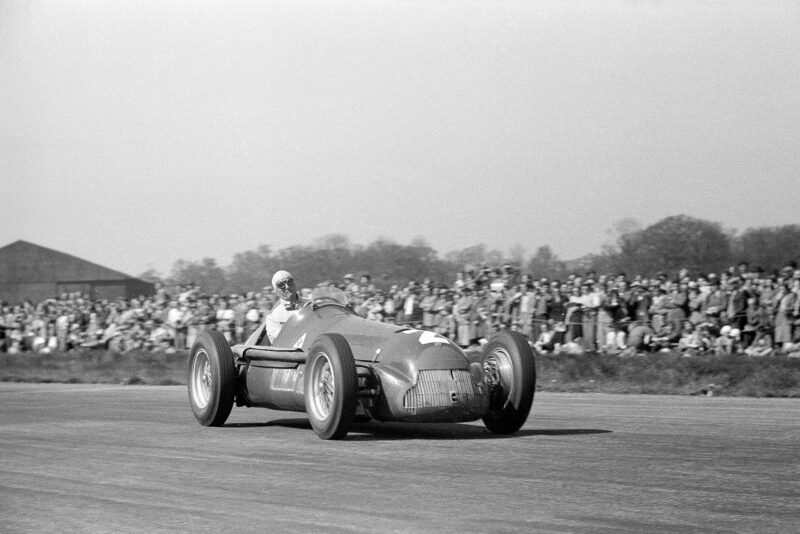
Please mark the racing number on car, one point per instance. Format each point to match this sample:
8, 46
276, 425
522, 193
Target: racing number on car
427, 337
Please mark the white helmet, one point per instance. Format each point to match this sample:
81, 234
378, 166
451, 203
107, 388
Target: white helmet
279, 276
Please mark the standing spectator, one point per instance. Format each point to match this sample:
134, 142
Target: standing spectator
528, 306
658, 309
350, 287
696, 304
556, 308
796, 310
677, 305
510, 306
429, 299
366, 285
239, 317
482, 314
590, 302
606, 314
173, 321
62, 329
640, 305
253, 316
184, 319
737, 304
390, 305
412, 313
755, 322
464, 317
784, 316
224, 318
460, 282
374, 307
715, 304
445, 324
573, 318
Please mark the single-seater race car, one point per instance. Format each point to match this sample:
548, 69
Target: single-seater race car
339, 368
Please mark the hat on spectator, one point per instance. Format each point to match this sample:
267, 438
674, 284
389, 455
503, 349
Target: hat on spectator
725, 330
280, 276
349, 276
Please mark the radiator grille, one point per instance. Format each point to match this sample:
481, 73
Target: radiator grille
442, 389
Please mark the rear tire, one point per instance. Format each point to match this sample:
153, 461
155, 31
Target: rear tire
211, 378
509, 366
330, 386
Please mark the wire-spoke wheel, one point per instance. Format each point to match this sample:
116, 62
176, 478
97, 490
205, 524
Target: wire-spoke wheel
323, 386
499, 370
211, 379
330, 386
509, 369
202, 380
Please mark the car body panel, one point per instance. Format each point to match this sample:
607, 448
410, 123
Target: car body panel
404, 374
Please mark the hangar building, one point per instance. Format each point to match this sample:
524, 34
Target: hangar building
35, 273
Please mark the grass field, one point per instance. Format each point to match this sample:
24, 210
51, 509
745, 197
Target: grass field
671, 374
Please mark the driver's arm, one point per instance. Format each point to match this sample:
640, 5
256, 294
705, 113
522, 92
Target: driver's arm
274, 321
273, 328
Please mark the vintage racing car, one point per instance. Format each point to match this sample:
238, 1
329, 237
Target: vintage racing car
339, 367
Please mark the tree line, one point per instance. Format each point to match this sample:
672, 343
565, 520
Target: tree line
671, 244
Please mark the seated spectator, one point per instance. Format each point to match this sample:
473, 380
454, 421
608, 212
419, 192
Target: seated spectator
616, 340
639, 337
723, 344
666, 340
736, 339
690, 342
547, 340
760, 348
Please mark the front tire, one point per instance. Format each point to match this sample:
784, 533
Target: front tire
330, 386
510, 369
212, 378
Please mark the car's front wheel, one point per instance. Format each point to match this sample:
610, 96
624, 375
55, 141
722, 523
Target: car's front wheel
330, 386
510, 371
211, 379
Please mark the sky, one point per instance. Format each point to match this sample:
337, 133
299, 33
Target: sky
135, 133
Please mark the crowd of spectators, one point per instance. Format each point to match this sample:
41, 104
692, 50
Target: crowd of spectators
740, 310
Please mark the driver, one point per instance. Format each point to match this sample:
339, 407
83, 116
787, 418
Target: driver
290, 300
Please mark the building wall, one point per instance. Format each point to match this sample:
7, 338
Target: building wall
31, 272
35, 292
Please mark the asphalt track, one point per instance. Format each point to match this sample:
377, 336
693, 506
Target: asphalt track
78, 458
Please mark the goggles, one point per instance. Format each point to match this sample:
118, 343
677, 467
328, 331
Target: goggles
284, 284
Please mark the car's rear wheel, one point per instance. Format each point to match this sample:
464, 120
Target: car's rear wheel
510, 371
211, 378
330, 386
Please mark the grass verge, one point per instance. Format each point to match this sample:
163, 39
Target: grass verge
667, 374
